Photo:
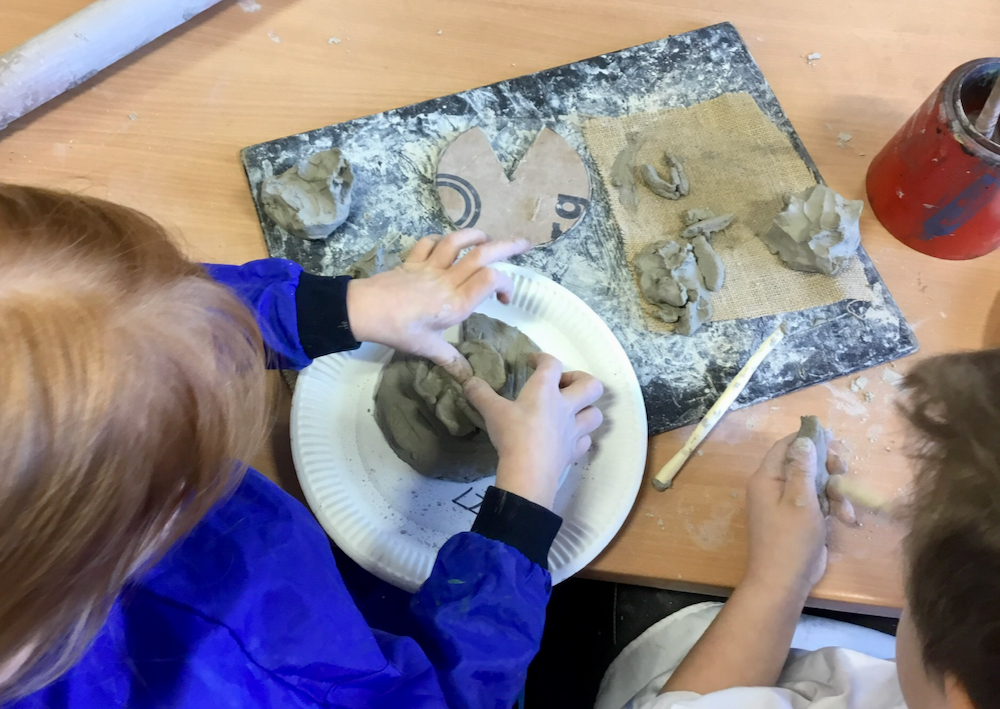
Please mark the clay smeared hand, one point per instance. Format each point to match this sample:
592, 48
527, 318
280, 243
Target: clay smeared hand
541, 433
409, 307
786, 529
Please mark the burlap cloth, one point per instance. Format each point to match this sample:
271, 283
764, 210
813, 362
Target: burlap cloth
737, 161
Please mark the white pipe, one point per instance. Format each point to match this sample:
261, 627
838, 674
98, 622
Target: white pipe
72, 51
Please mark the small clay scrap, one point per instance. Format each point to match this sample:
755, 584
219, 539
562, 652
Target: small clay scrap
817, 231
623, 174
675, 187
424, 414
698, 214
676, 277
384, 256
313, 198
707, 226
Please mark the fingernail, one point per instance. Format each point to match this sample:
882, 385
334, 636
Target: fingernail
801, 446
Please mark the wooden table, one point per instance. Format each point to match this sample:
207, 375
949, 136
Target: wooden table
161, 132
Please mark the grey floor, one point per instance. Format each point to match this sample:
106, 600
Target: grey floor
590, 622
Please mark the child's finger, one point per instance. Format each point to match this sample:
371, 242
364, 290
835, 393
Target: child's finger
582, 391
800, 471
481, 395
448, 249
548, 369
454, 362
485, 283
588, 420
485, 255
836, 457
423, 248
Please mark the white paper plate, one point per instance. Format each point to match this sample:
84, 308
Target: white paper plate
391, 520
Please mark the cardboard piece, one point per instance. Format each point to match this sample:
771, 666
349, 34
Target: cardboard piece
546, 196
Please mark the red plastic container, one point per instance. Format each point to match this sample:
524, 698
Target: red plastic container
936, 185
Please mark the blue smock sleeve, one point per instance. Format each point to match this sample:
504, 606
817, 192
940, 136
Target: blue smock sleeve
301, 316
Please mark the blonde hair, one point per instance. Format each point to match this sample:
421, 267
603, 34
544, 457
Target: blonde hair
130, 386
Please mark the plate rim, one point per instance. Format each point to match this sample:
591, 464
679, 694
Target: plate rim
596, 546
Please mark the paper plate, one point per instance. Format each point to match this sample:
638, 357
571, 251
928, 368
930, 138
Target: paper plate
391, 520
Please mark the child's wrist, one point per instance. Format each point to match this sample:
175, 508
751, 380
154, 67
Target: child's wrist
789, 588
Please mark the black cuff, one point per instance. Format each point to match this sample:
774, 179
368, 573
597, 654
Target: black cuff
321, 309
519, 523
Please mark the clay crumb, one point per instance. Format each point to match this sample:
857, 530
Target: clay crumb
660, 521
859, 384
929, 206
132, 116
892, 378
899, 193
249, 5
943, 314
701, 453
869, 397
815, 56
273, 37
734, 495
440, 31
843, 139
333, 40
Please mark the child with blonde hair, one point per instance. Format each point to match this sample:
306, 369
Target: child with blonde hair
143, 565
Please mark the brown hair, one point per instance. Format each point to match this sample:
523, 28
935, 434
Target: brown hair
953, 546
130, 384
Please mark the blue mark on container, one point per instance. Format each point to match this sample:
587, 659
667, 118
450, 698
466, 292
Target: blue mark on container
961, 209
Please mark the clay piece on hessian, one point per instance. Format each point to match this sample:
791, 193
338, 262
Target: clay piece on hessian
623, 172
424, 414
673, 187
677, 278
545, 196
313, 198
817, 231
706, 227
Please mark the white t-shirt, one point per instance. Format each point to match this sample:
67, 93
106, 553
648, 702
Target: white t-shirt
832, 665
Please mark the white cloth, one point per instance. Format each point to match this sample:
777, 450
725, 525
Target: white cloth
832, 665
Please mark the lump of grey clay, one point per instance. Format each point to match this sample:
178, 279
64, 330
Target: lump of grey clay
713, 272
698, 214
674, 188
817, 231
676, 277
312, 198
708, 227
811, 428
425, 416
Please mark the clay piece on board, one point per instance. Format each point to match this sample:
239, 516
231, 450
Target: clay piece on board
708, 227
313, 198
425, 416
672, 276
383, 257
623, 173
817, 231
674, 188
543, 198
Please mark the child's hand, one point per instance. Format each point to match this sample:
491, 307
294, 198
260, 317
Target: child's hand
541, 433
409, 307
787, 532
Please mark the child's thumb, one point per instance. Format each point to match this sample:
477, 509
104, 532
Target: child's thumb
481, 395
800, 472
